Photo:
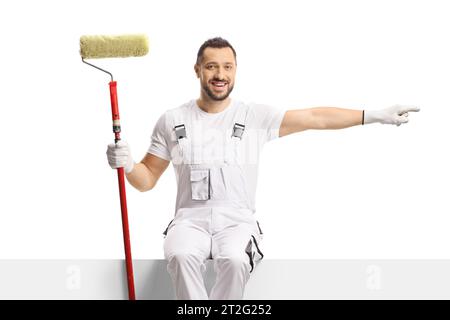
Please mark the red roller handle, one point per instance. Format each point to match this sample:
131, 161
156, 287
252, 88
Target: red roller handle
123, 197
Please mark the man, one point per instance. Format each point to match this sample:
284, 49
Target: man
214, 143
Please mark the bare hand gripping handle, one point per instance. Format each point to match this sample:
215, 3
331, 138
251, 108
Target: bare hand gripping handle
95, 47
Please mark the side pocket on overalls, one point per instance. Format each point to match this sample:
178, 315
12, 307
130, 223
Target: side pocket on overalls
253, 252
167, 229
200, 184
261, 234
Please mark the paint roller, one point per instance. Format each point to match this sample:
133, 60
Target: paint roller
118, 46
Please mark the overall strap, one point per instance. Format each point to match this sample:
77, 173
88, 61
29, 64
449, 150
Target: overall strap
240, 125
237, 131
181, 131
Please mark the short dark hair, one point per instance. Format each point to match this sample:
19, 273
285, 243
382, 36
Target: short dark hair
216, 42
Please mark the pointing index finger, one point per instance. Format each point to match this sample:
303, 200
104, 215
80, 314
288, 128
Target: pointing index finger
405, 109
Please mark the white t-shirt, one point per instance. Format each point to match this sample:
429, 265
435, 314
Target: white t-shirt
262, 125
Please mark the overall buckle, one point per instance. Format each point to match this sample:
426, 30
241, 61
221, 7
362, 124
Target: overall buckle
238, 130
180, 131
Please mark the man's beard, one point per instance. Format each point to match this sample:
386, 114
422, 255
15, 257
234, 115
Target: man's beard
215, 97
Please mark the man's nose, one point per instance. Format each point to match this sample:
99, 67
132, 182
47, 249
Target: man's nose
220, 73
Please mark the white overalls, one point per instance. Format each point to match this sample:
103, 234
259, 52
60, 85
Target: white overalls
213, 218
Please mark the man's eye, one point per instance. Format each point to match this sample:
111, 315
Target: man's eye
228, 67
210, 67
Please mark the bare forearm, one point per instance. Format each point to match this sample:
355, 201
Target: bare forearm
336, 118
141, 177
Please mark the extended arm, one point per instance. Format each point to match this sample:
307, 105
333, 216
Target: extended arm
339, 118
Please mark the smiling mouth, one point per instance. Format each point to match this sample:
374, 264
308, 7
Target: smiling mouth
219, 85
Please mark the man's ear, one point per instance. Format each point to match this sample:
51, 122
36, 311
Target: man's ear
197, 70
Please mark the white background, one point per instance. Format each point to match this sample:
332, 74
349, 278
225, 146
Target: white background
365, 192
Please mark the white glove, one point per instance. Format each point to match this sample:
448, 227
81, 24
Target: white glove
397, 114
119, 156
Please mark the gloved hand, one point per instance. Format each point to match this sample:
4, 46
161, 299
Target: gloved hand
396, 114
119, 155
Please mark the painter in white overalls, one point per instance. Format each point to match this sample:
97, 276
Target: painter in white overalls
214, 215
